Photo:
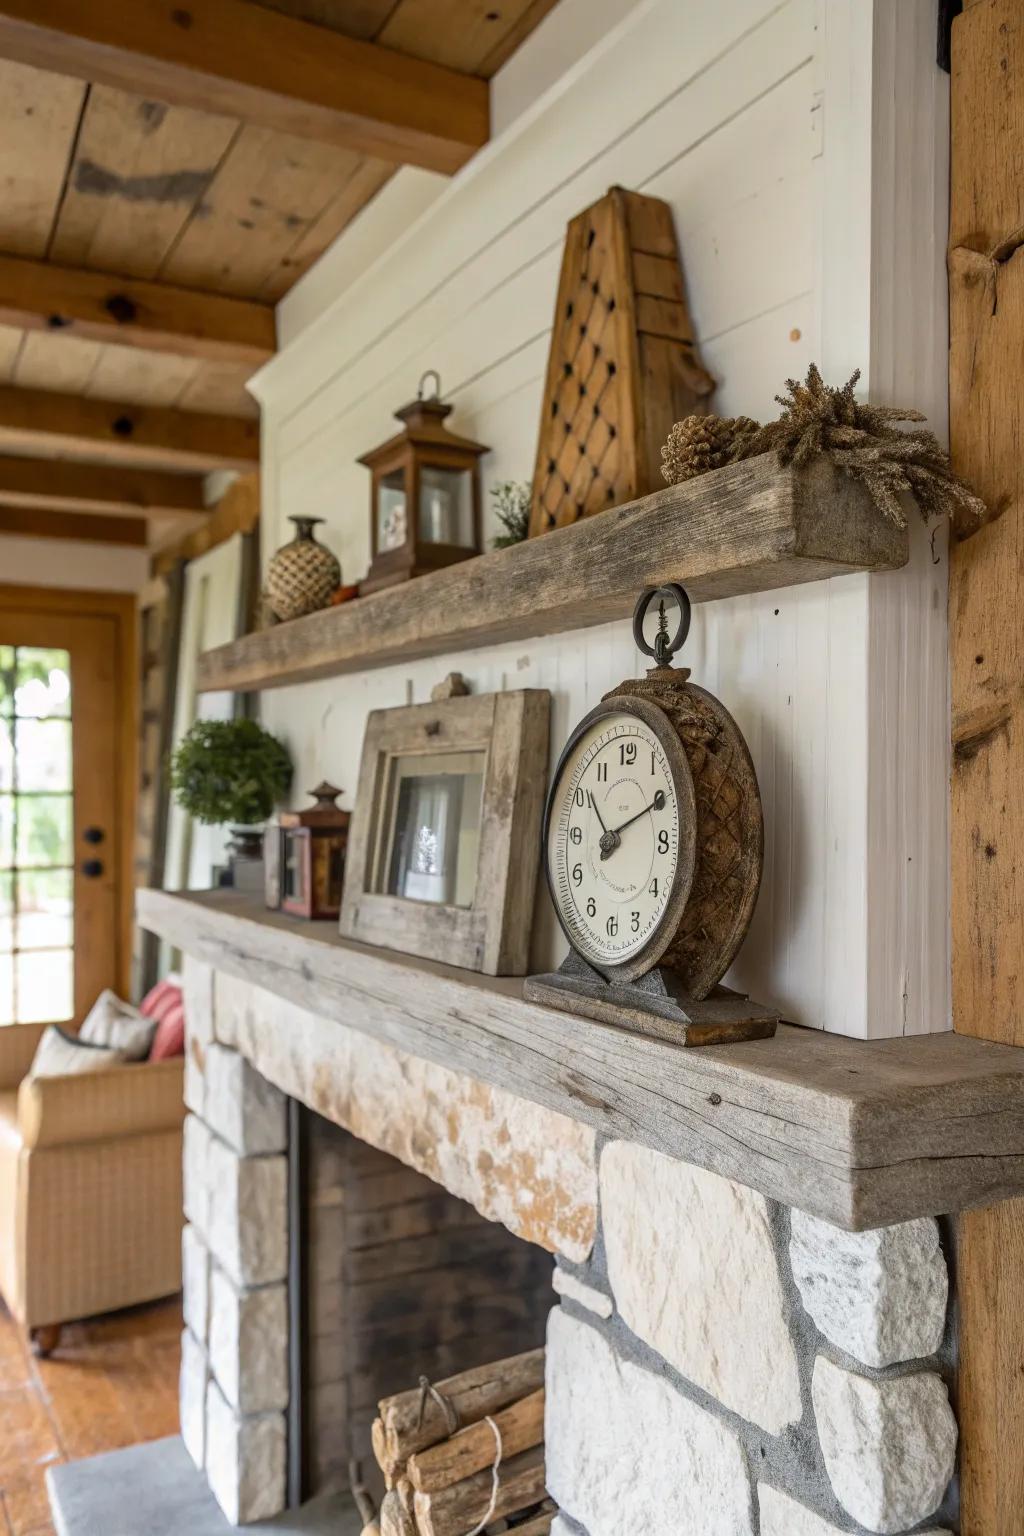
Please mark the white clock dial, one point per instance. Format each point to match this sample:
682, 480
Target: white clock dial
613, 838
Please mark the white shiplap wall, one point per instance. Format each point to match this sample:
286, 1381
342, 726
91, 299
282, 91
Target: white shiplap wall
725, 112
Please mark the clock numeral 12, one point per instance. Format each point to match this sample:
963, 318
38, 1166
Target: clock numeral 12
627, 752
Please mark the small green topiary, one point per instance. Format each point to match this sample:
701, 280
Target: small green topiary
229, 771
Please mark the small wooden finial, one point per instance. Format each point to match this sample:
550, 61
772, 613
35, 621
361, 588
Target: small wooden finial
454, 686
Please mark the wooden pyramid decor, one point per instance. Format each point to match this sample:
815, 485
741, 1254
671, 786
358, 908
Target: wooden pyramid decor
623, 365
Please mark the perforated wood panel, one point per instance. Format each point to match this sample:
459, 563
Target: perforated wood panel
622, 366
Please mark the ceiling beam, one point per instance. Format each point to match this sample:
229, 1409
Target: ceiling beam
245, 61
126, 434
132, 531
34, 295
61, 485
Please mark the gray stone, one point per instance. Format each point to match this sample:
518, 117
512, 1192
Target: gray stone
248, 1231
889, 1446
192, 1384
197, 996
195, 1282
245, 1460
154, 1490
688, 1251
566, 1284
195, 1172
242, 1108
626, 1452
249, 1344
880, 1296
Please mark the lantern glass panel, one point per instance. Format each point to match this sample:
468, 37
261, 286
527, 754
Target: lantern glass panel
446, 506
434, 837
392, 517
293, 884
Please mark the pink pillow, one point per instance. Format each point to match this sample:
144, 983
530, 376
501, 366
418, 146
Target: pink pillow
164, 996
169, 1039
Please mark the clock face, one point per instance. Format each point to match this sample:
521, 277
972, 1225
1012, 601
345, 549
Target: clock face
613, 837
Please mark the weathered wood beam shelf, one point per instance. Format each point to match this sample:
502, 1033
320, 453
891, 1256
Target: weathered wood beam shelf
862, 1133
747, 528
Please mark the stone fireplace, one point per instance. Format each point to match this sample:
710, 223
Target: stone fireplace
717, 1360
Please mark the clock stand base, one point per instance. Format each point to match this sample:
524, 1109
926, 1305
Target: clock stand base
654, 1005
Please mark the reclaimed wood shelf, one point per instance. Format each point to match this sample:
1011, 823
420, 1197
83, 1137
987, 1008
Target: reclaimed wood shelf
860, 1132
750, 527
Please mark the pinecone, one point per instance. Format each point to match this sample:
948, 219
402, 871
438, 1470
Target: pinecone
700, 443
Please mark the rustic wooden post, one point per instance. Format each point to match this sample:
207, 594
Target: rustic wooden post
986, 269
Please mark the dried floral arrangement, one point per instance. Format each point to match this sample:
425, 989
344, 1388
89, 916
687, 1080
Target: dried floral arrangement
511, 499
860, 439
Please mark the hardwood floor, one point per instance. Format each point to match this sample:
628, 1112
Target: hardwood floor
112, 1382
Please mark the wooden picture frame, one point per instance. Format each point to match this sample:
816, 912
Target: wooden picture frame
491, 934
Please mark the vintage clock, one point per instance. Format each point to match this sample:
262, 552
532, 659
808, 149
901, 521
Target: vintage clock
653, 848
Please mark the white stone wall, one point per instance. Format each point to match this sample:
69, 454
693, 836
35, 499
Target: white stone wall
234, 1366
723, 1364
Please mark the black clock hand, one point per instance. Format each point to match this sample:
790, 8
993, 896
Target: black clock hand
597, 813
655, 805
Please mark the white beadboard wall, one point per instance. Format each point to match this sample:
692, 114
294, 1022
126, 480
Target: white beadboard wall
726, 112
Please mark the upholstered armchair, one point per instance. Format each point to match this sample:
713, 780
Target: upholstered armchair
90, 1187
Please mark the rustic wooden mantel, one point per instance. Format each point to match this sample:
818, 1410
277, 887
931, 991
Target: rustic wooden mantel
749, 527
862, 1133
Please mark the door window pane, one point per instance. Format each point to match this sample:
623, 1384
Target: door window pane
44, 755
44, 986
44, 909
36, 833
42, 683
43, 830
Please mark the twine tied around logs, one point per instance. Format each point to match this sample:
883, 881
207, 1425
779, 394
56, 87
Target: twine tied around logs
495, 1481
447, 1407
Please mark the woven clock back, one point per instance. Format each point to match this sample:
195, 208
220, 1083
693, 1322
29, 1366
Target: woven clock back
623, 365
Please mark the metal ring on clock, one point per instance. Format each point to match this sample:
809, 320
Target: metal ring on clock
663, 648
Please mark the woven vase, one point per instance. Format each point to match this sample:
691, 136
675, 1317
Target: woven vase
302, 575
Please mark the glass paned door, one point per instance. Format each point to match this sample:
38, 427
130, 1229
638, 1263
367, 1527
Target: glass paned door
36, 846
65, 776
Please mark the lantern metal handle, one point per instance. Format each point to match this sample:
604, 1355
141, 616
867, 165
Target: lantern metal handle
431, 373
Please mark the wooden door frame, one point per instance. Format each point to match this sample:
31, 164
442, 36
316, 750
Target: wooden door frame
122, 608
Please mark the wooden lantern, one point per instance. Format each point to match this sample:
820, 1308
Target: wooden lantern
313, 845
425, 495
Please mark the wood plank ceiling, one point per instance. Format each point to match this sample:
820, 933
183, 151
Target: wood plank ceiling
95, 179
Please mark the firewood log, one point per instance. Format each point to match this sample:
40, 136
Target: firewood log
454, 1511
472, 1449
473, 1394
539, 1526
378, 1439
394, 1520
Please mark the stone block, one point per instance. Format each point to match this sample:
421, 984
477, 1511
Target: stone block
232, 1003
889, 1446
626, 1452
197, 996
195, 1282
192, 1384
248, 1214
249, 1344
880, 1296
694, 1274
567, 1285
783, 1516
195, 1083
246, 1111
245, 1460
195, 1172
